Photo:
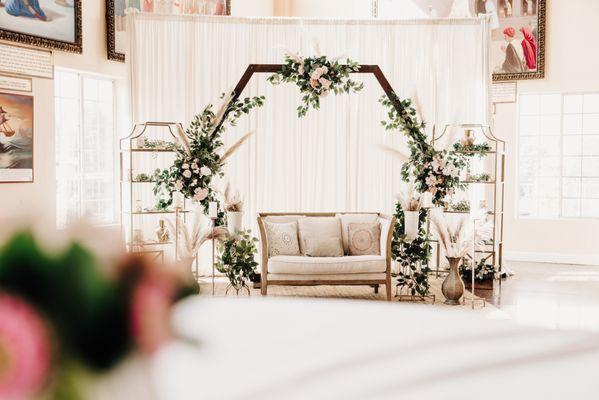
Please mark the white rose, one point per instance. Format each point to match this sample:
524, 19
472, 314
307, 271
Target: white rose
324, 69
316, 75
205, 171
187, 173
301, 70
185, 166
194, 166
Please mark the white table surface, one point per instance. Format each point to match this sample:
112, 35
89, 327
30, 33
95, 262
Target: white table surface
313, 349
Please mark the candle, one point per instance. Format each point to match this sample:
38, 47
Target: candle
213, 209
427, 200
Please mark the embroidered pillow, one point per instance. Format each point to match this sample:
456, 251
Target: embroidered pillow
324, 247
347, 219
282, 239
364, 239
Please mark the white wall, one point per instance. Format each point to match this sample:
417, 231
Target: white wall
572, 65
40, 196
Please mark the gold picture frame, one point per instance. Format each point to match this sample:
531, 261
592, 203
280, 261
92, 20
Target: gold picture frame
36, 40
113, 53
528, 15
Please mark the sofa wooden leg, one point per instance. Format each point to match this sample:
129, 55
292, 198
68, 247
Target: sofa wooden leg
388, 288
263, 288
376, 289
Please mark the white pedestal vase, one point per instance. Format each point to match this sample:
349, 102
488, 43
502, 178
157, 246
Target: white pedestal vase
411, 224
234, 219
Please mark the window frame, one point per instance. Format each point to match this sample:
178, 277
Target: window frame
81, 76
561, 176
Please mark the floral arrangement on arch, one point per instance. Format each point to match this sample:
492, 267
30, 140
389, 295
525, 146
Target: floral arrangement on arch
201, 157
316, 77
434, 171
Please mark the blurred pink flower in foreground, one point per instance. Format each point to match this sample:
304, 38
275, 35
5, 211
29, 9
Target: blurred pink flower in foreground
25, 349
150, 309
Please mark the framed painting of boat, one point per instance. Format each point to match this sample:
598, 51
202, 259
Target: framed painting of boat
53, 24
116, 10
16, 138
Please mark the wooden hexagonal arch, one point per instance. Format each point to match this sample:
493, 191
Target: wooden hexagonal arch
363, 69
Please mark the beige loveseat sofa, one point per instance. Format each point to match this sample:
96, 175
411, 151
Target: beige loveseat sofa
302, 270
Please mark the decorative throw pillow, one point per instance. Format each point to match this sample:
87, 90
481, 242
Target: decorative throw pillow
324, 247
282, 239
317, 227
349, 218
364, 239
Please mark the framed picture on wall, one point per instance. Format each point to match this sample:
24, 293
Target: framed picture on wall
16, 138
116, 10
53, 24
517, 38
517, 29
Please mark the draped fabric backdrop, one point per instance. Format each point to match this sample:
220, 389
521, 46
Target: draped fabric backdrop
329, 160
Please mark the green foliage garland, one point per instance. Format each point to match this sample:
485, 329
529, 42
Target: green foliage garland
237, 259
411, 254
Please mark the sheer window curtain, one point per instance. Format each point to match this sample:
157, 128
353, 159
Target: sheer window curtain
329, 160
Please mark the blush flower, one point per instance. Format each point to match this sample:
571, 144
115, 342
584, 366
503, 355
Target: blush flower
150, 312
187, 173
25, 350
179, 185
325, 83
314, 83
200, 194
205, 171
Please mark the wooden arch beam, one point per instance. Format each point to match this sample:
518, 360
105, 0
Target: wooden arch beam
364, 69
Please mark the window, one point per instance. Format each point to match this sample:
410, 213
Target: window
559, 156
85, 148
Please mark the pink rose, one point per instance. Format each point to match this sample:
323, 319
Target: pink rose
200, 194
314, 83
325, 83
25, 349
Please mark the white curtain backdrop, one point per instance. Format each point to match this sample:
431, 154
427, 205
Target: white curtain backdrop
329, 160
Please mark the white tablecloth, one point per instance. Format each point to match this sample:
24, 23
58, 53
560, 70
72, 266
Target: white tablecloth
308, 349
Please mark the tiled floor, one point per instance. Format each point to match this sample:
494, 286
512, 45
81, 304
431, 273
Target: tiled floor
552, 296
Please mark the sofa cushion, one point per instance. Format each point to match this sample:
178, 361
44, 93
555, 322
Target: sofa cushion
347, 219
282, 238
326, 265
333, 277
317, 227
364, 239
280, 219
324, 247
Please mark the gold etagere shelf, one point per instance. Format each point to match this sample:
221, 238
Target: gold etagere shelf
494, 190
133, 215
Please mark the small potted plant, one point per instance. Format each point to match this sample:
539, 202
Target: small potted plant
234, 209
237, 260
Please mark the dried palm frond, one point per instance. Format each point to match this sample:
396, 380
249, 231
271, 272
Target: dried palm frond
182, 136
409, 199
233, 148
316, 46
191, 240
220, 114
400, 155
454, 239
233, 200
